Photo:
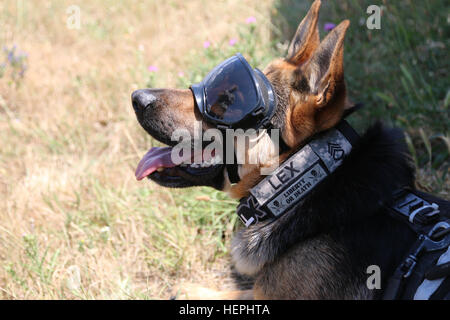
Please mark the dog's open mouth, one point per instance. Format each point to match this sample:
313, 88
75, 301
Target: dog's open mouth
158, 165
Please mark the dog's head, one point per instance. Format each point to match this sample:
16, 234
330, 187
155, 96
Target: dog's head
311, 97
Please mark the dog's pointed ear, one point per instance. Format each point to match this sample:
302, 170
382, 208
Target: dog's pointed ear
324, 71
306, 38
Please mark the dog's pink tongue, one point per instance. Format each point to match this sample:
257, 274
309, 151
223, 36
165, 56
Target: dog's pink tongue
155, 158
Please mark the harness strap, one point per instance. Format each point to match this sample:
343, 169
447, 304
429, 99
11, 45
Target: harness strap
352, 109
232, 170
417, 211
428, 287
431, 251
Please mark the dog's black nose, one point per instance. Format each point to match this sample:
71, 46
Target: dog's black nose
142, 99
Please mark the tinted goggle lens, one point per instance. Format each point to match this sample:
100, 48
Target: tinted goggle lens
230, 93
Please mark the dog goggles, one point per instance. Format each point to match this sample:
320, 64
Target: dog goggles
233, 95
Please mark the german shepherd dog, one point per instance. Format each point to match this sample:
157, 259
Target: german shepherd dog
322, 249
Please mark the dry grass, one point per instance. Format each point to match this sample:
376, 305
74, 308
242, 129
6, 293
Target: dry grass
74, 223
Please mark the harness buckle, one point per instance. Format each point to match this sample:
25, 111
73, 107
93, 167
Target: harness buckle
426, 243
437, 237
408, 266
414, 208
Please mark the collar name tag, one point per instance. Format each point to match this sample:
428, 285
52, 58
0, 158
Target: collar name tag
297, 190
295, 178
318, 158
290, 170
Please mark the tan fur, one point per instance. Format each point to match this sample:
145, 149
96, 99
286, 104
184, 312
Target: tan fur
197, 292
183, 111
301, 120
258, 294
260, 154
305, 271
322, 111
248, 181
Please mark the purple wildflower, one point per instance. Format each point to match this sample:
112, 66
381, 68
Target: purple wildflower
329, 26
11, 57
206, 44
153, 68
250, 20
16, 59
181, 74
232, 41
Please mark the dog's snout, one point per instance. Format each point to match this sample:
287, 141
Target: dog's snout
142, 99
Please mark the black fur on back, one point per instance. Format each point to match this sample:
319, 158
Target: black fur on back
348, 208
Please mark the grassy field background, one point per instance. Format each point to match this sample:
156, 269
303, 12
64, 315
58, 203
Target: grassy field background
74, 223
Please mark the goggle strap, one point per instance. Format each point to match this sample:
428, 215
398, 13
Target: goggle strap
232, 170
352, 109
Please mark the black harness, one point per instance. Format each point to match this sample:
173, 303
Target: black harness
425, 271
